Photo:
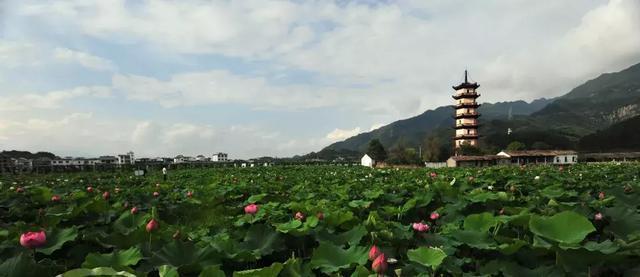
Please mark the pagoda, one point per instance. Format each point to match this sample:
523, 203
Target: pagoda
466, 116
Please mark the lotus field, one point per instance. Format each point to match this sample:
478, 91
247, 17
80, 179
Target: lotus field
580, 220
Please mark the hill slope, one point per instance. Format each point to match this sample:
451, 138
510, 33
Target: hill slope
551, 123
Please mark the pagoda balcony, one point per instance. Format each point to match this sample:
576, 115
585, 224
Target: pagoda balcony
467, 125
467, 105
472, 94
466, 136
467, 115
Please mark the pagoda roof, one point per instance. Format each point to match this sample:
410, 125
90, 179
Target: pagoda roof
466, 83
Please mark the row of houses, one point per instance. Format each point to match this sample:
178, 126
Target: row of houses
8, 164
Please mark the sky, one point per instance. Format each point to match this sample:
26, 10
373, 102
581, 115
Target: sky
278, 78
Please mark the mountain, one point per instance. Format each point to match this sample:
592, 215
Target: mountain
28, 155
412, 131
544, 123
622, 136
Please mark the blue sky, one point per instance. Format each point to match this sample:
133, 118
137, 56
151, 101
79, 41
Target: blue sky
280, 78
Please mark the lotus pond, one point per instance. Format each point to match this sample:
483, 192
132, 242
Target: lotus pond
581, 220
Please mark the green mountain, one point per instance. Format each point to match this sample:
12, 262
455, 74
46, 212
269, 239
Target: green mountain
545, 123
622, 136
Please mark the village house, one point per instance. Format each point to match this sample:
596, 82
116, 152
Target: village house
477, 161
366, 160
128, 158
220, 157
559, 157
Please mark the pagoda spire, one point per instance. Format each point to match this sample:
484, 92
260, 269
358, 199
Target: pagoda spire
465, 76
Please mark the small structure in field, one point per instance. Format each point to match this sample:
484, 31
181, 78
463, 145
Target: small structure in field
477, 161
366, 160
541, 156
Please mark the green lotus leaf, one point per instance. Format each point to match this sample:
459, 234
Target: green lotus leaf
168, 271
360, 203
623, 221
565, 227
128, 222
331, 258
296, 268
352, 237
480, 222
474, 239
427, 256
57, 238
605, 247
335, 219
99, 271
361, 271
118, 260
185, 255
270, 271
262, 240
212, 271
21, 265
288, 226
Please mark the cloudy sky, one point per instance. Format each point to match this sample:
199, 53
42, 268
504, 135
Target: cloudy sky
253, 78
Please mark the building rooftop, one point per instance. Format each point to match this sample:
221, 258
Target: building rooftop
478, 158
538, 153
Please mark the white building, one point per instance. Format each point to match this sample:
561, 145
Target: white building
220, 157
202, 158
128, 158
541, 156
367, 161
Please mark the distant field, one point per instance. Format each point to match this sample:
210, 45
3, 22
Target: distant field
321, 220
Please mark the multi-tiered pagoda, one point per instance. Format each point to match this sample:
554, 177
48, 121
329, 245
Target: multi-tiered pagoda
466, 114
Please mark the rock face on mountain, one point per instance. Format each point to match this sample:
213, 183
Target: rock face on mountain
550, 123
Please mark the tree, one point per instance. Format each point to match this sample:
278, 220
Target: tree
467, 149
515, 146
376, 151
431, 149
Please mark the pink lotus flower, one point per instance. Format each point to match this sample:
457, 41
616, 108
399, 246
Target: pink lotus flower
55, 198
433, 174
156, 194
20, 190
420, 227
189, 194
152, 225
379, 265
598, 216
601, 195
320, 215
134, 210
251, 209
89, 189
106, 195
501, 211
561, 168
471, 178
434, 215
374, 252
33, 239
299, 216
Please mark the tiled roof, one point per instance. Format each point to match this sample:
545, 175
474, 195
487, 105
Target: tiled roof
539, 153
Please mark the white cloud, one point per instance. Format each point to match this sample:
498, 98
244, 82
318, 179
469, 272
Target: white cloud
50, 100
18, 53
87, 60
417, 50
85, 134
340, 134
